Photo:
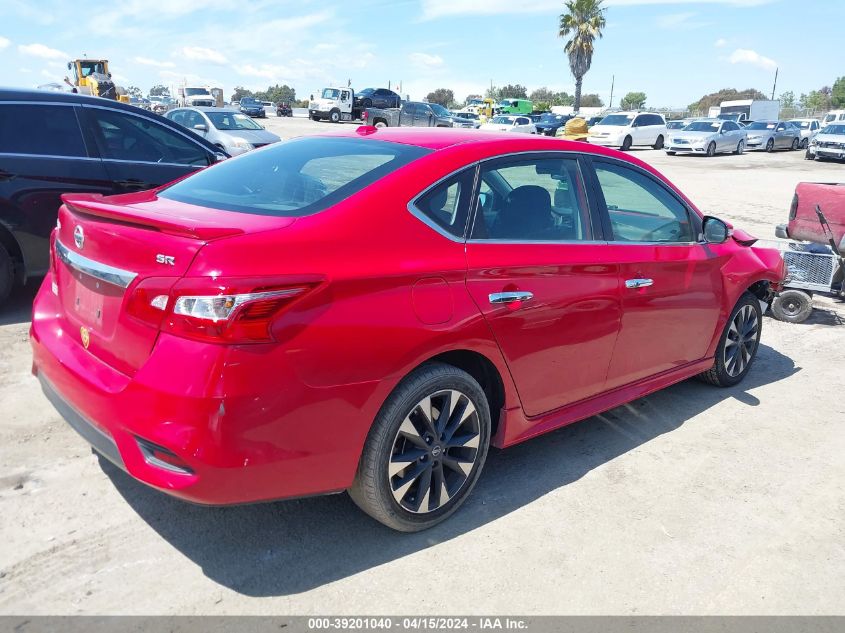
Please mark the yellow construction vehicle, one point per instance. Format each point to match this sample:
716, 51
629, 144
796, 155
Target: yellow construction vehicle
92, 77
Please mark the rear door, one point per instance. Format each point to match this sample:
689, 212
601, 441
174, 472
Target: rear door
42, 155
536, 271
670, 283
140, 153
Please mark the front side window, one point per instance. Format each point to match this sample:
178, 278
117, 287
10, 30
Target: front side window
295, 178
530, 200
640, 209
131, 138
47, 130
447, 204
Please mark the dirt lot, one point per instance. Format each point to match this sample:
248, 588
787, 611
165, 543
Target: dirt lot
694, 500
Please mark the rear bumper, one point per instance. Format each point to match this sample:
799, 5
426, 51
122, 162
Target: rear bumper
246, 426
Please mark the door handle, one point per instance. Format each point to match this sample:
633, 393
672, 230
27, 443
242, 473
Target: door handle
133, 183
638, 283
510, 297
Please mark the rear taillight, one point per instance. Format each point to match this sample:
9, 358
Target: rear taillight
217, 311
365, 115
793, 209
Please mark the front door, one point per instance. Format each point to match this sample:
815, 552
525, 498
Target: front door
670, 283
536, 272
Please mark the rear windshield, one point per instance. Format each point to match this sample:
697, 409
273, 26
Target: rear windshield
294, 178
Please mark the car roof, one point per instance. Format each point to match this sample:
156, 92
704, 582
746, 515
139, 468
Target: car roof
53, 96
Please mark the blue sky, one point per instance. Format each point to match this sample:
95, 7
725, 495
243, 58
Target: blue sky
673, 50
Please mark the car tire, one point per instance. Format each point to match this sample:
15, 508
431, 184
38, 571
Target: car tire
805, 143
740, 148
770, 145
809, 156
380, 124
792, 306
334, 116
738, 344
711, 149
403, 434
7, 274
626, 144
795, 144
658, 144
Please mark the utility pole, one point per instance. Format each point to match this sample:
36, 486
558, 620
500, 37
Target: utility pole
776, 84
612, 84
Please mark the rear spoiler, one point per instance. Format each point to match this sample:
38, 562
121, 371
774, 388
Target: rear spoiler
93, 204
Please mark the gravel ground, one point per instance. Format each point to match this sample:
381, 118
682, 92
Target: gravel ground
693, 500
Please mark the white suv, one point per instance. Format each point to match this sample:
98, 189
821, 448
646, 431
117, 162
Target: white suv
626, 129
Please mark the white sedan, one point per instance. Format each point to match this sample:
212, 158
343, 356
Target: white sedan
510, 123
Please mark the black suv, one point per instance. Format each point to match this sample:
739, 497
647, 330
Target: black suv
53, 143
376, 98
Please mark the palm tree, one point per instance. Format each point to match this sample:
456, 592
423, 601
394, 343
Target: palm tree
584, 21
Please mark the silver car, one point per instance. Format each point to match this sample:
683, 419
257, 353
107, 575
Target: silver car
708, 137
772, 135
227, 128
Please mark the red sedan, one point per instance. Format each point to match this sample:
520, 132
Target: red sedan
371, 310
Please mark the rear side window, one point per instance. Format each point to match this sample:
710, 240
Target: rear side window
447, 204
48, 130
294, 178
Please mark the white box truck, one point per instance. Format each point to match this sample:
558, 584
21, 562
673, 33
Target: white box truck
744, 110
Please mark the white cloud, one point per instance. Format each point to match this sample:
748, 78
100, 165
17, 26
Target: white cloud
433, 9
425, 61
200, 54
44, 52
4, 42
720, 43
747, 56
677, 21
146, 61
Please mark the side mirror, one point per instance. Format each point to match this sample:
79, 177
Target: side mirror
202, 127
219, 157
715, 231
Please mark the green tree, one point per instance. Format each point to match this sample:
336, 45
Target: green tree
542, 95
277, 93
241, 92
582, 23
591, 101
134, 91
159, 91
815, 101
787, 100
725, 94
837, 95
512, 91
443, 96
633, 101
563, 99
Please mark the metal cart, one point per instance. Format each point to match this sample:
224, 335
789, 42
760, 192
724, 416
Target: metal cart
811, 268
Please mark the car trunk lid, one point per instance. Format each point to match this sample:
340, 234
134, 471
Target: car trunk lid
107, 253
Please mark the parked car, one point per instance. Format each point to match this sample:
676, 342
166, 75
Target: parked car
225, 128
411, 113
510, 123
627, 129
772, 135
808, 127
474, 118
707, 137
252, 107
549, 123
376, 98
834, 116
261, 357
828, 143
678, 124
57, 142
